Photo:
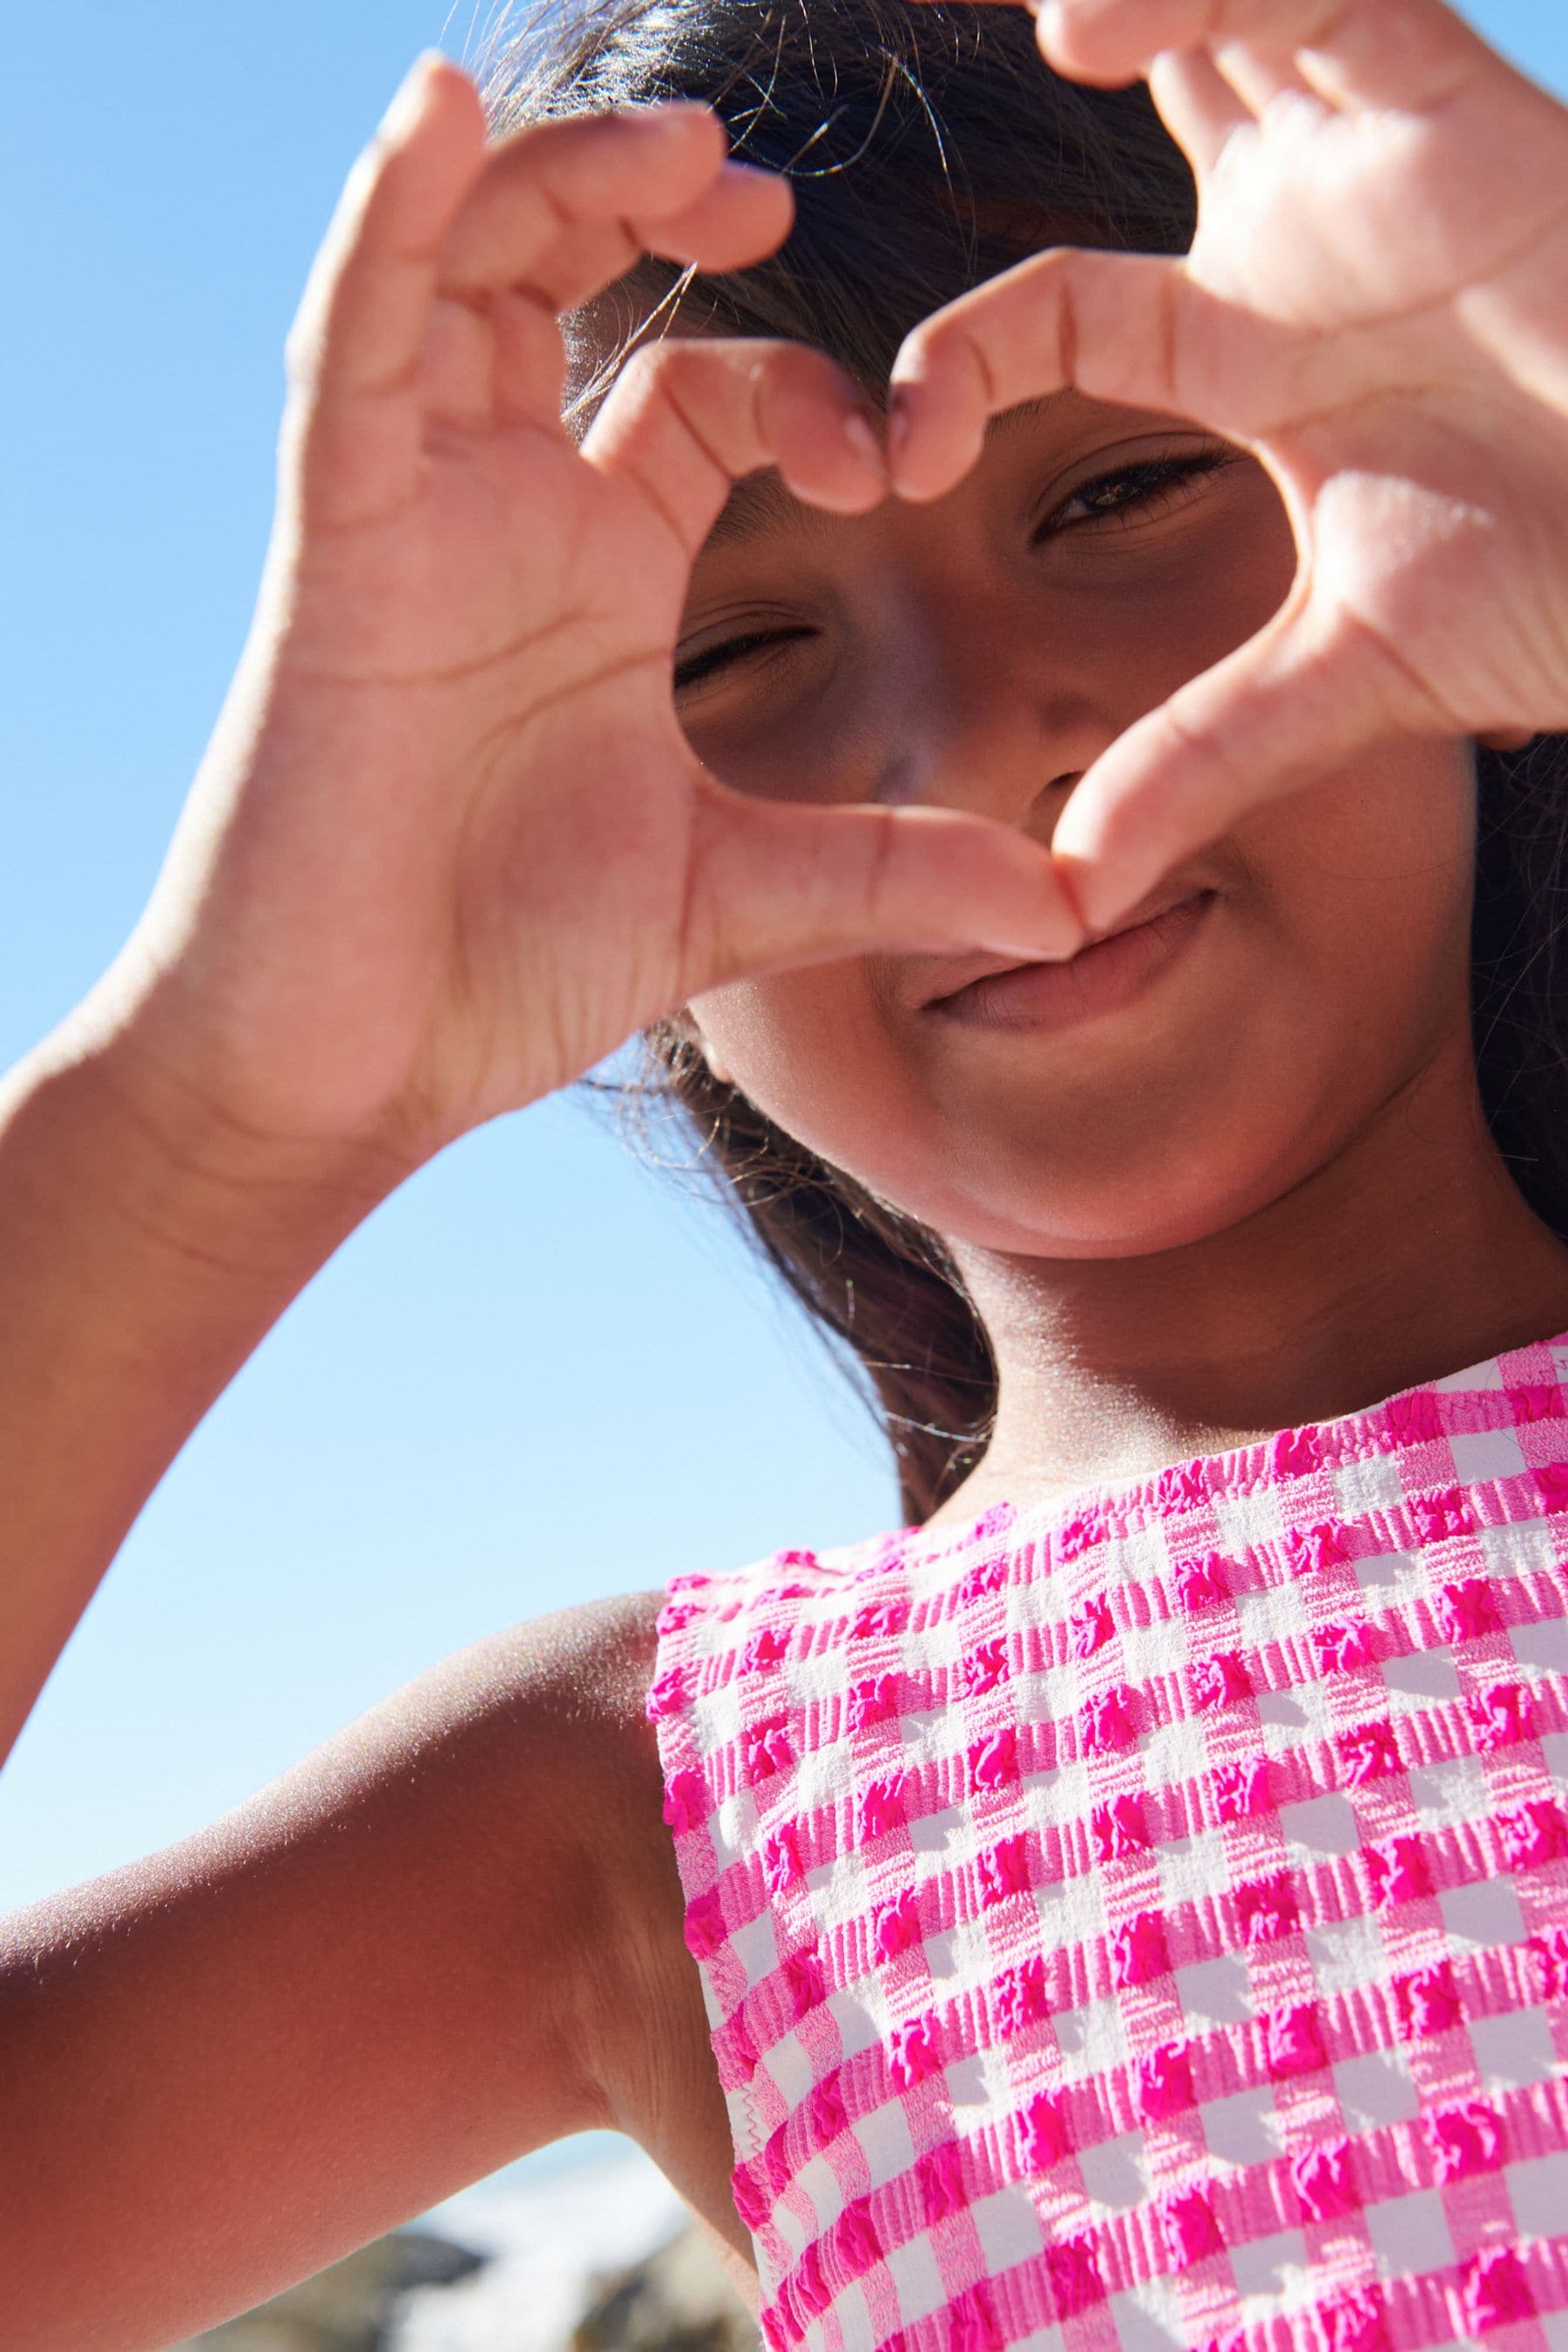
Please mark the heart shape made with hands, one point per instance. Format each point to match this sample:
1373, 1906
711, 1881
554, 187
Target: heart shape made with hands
1375, 305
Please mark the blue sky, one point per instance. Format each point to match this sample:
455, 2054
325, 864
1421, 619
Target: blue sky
539, 1373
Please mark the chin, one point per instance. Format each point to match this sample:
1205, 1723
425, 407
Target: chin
1145, 1197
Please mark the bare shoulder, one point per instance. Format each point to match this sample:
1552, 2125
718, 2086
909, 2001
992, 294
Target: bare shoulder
655, 2054
602, 1654
641, 2019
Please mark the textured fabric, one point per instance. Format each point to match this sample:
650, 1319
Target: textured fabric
1145, 1922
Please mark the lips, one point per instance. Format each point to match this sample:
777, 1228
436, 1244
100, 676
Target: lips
938, 978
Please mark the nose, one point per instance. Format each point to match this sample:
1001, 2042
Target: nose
976, 716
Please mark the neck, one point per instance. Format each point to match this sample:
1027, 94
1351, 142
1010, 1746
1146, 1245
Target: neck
1410, 1254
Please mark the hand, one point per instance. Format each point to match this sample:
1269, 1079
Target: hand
1376, 305
450, 846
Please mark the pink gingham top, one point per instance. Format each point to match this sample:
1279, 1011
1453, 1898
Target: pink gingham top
1143, 1923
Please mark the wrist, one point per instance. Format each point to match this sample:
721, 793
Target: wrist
181, 1167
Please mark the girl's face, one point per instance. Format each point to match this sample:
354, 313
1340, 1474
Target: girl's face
980, 653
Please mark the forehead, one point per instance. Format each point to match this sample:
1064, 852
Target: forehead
860, 326
759, 504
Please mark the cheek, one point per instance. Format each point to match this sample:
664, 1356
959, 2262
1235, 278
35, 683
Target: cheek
1340, 983
1346, 988
1209, 597
1371, 873
789, 1041
1339, 971
812, 1050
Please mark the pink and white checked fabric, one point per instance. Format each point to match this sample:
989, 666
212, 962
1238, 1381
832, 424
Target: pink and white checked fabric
1145, 1923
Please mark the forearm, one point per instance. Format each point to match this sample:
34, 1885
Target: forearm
145, 1249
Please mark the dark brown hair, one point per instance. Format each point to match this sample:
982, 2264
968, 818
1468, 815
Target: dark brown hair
930, 147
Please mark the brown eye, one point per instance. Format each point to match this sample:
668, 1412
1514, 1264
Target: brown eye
1148, 487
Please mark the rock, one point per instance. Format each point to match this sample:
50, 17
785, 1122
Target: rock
678, 2299
602, 2258
346, 2307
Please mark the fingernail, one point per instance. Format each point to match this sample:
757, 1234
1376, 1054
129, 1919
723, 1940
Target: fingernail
661, 111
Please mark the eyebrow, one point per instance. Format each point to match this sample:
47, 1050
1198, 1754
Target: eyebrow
763, 501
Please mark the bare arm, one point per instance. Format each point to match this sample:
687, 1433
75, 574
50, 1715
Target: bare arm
450, 1936
432, 1946
145, 1249
370, 937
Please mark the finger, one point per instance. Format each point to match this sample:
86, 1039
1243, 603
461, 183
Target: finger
1412, 53
1198, 106
1068, 317
690, 416
774, 883
741, 217
1505, 739
1130, 328
1259, 77
644, 163
565, 209
1298, 701
356, 341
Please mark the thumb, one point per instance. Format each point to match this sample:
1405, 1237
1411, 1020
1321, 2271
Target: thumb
775, 883
1297, 701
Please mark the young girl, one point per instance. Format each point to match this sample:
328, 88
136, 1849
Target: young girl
1127, 1907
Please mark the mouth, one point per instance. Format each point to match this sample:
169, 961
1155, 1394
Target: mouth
1109, 970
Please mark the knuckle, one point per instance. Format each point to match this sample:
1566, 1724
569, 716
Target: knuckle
778, 386
807, 373
643, 375
938, 343
691, 123
975, 355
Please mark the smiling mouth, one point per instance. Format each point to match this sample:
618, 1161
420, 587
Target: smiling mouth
1104, 975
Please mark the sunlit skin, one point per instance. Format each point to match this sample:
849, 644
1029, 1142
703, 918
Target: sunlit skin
1263, 1192
1263, 1189
1373, 303
458, 835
